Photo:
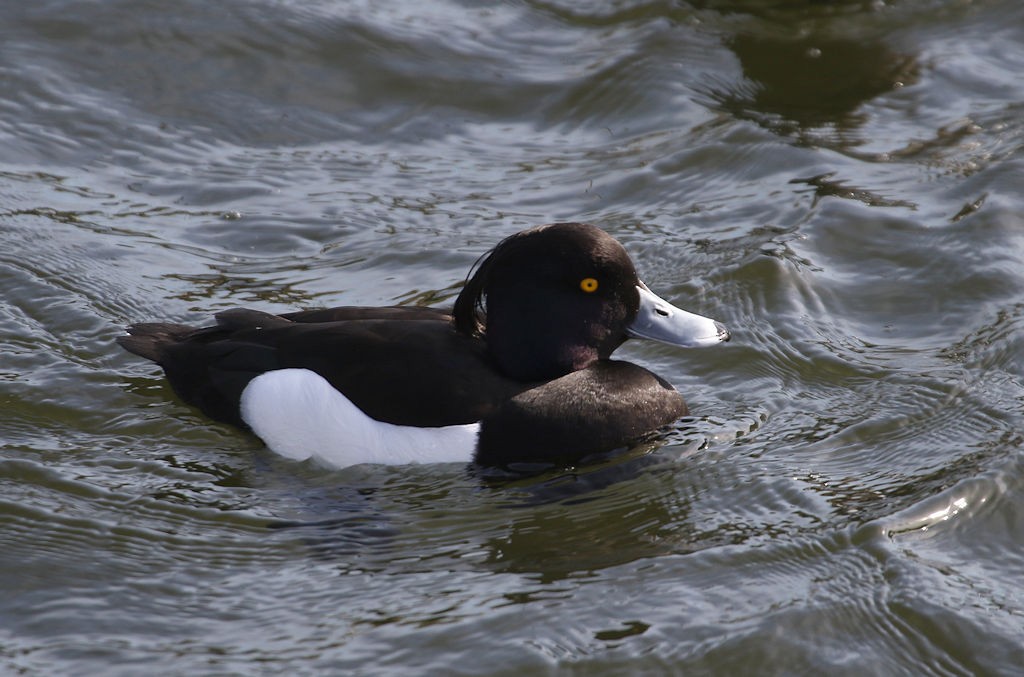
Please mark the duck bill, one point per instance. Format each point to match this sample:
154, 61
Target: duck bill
659, 320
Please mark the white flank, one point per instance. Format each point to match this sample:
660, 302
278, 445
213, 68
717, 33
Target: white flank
299, 415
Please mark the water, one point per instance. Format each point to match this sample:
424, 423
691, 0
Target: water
840, 183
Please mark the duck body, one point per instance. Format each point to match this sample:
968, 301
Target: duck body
518, 372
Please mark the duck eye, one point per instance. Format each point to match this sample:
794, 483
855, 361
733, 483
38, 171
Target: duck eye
589, 285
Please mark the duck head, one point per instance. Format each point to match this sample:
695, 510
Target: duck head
554, 299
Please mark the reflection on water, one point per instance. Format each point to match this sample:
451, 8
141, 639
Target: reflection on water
811, 83
824, 186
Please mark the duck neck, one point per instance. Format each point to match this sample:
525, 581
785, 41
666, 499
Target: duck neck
542, 349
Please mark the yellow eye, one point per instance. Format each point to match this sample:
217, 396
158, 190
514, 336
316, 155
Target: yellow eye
589, 285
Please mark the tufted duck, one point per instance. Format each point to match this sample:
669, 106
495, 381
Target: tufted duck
518, 372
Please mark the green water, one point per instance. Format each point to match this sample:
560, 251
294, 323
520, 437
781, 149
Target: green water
839, 183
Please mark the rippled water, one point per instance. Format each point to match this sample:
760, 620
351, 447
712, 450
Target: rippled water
840, 183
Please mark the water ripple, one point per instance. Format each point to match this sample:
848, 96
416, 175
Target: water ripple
847, 492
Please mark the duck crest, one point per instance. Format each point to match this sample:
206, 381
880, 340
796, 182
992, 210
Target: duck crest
537, 302
470, 312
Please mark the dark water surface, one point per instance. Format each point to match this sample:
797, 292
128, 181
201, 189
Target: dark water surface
841, 183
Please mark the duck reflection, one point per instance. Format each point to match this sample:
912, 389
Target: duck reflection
571, 524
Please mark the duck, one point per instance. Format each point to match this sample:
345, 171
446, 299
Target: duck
519, 372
